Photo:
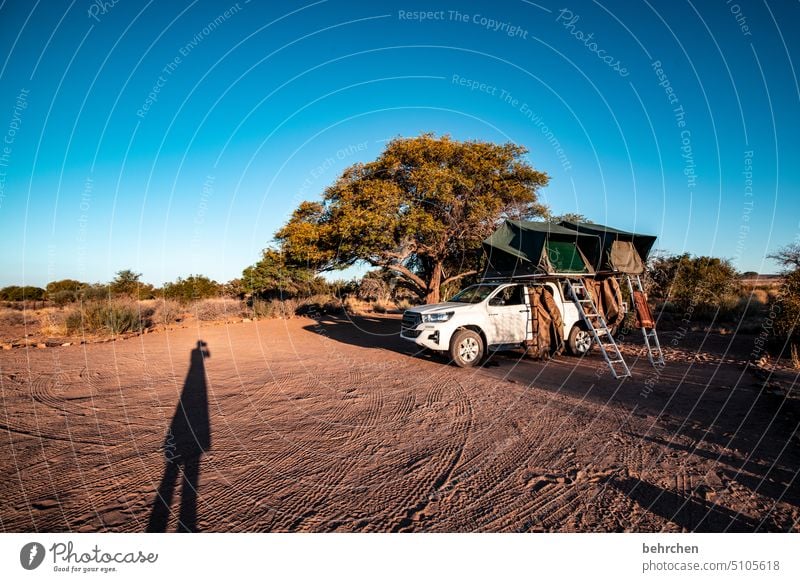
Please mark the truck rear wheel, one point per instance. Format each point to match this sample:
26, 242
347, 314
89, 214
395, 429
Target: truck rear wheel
466, 348
579, 341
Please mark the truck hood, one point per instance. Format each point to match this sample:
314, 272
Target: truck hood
439, 307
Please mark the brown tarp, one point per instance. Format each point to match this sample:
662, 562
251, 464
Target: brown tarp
547, 325
612, 302
607, 297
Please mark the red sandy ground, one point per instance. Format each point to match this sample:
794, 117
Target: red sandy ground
306, 425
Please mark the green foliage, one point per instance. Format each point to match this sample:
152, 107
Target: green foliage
191, 288
26, 293
273, 278
421, 209
703, 284
95, 292
234, 288
127, 284
573, 217
113, 317
64, 291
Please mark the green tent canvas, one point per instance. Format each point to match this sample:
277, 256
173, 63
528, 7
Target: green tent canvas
620, 251
520, 248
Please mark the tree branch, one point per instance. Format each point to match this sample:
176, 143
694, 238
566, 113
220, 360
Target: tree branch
420, 285
457, 277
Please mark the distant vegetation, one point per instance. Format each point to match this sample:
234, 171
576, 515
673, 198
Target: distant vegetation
417, 214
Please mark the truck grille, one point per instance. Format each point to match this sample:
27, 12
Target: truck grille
410, 320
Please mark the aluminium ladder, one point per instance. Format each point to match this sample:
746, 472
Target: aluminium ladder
589, 314
654, 353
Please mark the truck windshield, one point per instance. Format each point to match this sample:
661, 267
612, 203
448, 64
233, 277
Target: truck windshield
474, 294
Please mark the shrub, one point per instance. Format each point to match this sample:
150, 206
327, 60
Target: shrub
12, 317
319, 304
704, 285
114, 317
192, 288
16, 293
96, 292
53, 322
404, 304
373, 287
355, 306
166, 311
787, 322
217, 309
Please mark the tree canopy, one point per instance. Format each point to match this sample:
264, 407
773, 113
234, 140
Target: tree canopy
17, 293
273, 277
421, 210
788, 256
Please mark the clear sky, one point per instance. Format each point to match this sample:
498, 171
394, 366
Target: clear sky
176, 137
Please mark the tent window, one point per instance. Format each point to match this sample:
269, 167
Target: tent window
564, 257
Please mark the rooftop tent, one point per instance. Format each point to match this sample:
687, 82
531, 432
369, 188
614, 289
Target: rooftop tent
520, 248
621, 251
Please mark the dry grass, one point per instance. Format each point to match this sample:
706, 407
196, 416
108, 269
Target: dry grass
9, 317
217, 309
53, 322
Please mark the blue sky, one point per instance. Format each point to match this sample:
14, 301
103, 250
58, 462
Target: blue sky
177, 137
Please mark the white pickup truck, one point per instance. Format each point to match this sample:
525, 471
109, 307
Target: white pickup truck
488, 316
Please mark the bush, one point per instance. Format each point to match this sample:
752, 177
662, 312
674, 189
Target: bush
166, 311
787, 322
16, 293
217, 309
12, 317
704, 286
192, 288
319, 304
373, 287
96, 292
52, 322
114, 317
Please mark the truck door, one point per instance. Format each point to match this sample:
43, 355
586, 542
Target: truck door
508, 315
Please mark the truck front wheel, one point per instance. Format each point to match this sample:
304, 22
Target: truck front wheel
466, 348
579, 341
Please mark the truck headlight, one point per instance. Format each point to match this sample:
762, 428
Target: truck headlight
437, 317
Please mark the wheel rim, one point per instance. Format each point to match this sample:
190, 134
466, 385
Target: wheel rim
468, 349
583, 341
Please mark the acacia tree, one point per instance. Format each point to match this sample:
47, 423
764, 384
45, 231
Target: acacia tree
788, 256
421, 210
271, 277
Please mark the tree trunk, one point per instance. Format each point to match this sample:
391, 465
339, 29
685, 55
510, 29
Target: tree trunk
432, 295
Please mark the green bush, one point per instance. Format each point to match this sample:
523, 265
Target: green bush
704, 287
26, 293
192, 288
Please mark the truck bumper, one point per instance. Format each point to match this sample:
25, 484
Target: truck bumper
428, 336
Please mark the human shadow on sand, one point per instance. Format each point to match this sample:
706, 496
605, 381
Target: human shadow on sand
689, 512
188, 437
